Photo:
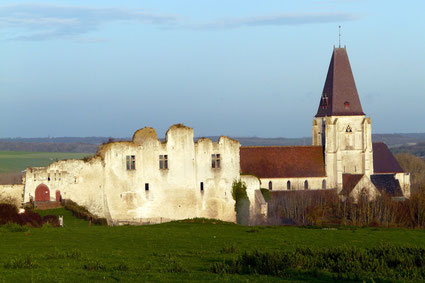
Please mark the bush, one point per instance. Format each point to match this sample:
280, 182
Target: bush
82, 213
53, 220
384, 262
8, 213
23, 262
266, 194
241, 202
30, 218
13, 227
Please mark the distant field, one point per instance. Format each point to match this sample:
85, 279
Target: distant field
179, 251
12, 161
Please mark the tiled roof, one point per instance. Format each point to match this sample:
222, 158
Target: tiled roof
349, 181
339, 95
383, 160
282, 161
387, 184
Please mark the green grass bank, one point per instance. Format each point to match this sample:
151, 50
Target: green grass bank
185, 250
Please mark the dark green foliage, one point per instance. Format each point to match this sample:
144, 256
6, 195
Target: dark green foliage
229, 249
30, 218
94, 265
8, 213
383, 262
171, 264
242, 202
13, 227
22, 262
53, 220
82, 213
266, 194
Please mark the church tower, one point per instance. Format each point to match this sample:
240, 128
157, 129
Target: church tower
340, 125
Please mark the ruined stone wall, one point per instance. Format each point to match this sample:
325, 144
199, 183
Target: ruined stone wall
404, 180
151, 194
78, 180
12, 194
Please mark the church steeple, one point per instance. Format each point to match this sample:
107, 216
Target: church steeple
339, 97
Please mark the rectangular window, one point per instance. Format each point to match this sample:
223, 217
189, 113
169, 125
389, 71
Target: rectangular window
146, 186
215, 161
163, 162
131, 162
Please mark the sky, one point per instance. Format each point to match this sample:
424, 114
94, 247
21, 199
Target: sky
223, 67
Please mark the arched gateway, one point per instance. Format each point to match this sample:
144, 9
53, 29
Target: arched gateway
42, 193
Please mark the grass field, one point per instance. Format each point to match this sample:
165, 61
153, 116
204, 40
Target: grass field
13, 161
172, 251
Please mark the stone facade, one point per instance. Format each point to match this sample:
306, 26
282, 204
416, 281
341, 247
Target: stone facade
149, 181
12, 194
347, 142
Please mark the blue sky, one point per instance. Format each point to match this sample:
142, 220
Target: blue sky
231, 67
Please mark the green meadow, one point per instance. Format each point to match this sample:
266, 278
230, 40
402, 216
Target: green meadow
181, 251
13, 161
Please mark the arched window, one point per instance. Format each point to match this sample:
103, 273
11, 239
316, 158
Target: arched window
288, 185
270, 186
305, 185
324, 184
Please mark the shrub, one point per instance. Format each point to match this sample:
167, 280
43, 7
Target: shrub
95, 265
241, 202
30, 218
52, 220
13, 227
266, 194
383, 262
82, 213
172, 265
23, 262
229, 249
8, 213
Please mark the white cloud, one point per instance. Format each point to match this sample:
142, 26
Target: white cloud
38, 22
289, 19
41, 22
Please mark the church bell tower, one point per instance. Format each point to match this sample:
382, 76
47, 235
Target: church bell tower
340, 125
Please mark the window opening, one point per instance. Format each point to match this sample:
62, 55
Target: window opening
202, 186
346, 105
48, 177
147, 187
270, 185
305, 185
131, 162
163, 162
324, 184
288, 185
348, 130
215, 161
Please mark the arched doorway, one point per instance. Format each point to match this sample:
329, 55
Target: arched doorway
42, 193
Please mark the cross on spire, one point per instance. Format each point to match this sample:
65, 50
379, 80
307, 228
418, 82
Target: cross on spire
339, 35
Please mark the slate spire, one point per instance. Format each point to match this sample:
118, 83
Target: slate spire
339, 96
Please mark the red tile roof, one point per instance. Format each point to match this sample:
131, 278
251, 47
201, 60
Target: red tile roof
282, 161
383, 160
349, 181
339, 95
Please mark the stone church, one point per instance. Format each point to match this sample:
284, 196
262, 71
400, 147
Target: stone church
342, 156
147, 180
